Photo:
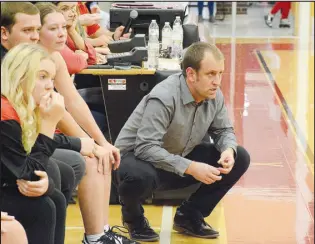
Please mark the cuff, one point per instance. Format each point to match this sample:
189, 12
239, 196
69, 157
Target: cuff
183, 166
75, 143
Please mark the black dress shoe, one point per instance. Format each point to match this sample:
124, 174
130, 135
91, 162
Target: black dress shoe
140, 230
192, 223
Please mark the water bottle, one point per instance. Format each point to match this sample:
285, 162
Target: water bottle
177, 20
154, 30
167, 39
177, 39
153, 45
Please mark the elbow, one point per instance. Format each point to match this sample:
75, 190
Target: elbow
141, 150
138, 151
74, 69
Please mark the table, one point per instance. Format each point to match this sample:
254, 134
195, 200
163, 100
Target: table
119, 92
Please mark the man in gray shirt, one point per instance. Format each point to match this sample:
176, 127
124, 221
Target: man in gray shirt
161, 146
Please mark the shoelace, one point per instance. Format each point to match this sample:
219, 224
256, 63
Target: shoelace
121, 229
109, 236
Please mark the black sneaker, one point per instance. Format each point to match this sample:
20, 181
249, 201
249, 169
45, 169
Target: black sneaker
192, 223
140, 230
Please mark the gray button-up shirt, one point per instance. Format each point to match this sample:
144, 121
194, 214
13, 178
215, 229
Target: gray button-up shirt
167, 124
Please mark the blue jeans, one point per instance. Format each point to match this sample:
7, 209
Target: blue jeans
210, 7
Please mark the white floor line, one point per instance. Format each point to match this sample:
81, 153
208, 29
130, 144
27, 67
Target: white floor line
166, 226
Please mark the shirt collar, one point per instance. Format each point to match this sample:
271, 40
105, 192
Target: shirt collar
186, 94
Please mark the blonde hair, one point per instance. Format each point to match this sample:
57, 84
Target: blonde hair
19, 70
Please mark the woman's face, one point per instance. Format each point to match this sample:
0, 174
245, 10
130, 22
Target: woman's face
45, 80
68, 10
53, 34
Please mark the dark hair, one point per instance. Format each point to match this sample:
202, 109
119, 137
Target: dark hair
46, 8
10, 9
195, 54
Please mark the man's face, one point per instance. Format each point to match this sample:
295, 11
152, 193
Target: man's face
208, 79
25, 30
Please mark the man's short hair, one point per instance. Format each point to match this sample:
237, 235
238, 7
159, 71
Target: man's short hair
10, 9
195, 54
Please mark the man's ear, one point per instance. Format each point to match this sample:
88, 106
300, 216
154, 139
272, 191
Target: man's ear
191, 74
4, 33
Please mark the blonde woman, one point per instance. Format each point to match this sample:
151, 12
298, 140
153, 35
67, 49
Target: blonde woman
30, 111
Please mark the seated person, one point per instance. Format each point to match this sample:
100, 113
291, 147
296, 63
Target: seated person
95, 9
30, 111
78, 53
11, 230
93, 201
20, 23
64, 84
161, 146
97, 35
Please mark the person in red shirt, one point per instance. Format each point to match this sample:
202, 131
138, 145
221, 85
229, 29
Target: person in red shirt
93, 201
285, 10
98, 36
78, 53
30, 111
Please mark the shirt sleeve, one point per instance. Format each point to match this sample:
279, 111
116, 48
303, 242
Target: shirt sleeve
221, 129
90, 50
68, 142
75, 62
14, 157
154, 124
92, 29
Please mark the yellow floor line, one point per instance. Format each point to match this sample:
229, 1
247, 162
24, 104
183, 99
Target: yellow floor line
222, 226
308, 162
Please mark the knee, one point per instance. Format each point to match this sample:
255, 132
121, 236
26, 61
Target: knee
46, 210
60, 202
78, 165
136, 182
242, 159
92, 168
13, 232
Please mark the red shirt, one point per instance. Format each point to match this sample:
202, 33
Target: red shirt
90, 30
76, 62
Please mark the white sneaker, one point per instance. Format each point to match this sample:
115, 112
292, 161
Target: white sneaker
102, 240
268, 20
284, 23
117, 238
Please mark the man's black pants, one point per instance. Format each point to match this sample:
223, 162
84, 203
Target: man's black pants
137, 180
